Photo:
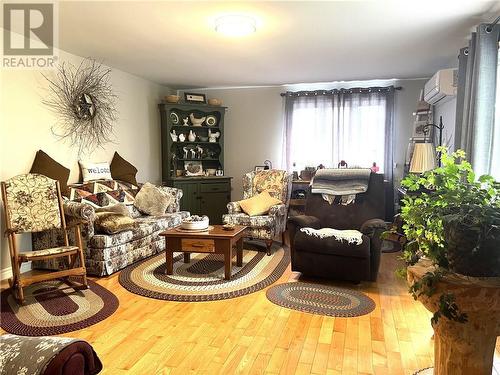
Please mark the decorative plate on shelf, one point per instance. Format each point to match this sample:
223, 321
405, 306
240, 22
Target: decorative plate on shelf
211, 120
174, 117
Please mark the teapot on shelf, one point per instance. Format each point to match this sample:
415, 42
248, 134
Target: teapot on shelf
191, 136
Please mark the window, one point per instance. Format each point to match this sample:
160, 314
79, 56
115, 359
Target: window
325, 129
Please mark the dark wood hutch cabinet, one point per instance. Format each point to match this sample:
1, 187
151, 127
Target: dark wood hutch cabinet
203, 195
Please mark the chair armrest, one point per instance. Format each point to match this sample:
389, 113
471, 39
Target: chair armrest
82, 213
277, 210
303, 221
78, 210
177, 194
373, 226
76, 223
233, 207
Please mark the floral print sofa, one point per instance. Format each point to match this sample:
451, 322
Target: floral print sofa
108, 253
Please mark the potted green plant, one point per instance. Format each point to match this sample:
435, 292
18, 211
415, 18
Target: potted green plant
454, 221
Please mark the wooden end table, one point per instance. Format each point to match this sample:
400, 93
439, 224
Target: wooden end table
214, 241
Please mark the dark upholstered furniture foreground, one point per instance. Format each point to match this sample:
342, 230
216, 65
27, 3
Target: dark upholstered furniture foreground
329, 258
47, 355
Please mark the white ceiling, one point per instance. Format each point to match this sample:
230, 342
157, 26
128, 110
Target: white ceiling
174, 43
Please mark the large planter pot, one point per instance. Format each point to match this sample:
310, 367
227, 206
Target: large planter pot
469, 256
463, 348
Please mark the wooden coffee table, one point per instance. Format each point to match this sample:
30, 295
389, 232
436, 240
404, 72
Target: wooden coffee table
214, 241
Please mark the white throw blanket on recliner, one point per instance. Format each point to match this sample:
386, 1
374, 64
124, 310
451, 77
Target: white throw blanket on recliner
351, 236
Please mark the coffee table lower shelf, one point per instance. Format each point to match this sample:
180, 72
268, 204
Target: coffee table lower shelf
213, 241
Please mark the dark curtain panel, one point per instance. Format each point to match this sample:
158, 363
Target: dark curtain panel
389, 156
476, 97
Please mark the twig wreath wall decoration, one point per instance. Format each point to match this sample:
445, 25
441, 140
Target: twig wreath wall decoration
84, 102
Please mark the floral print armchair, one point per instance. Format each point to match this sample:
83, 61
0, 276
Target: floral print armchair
264, 227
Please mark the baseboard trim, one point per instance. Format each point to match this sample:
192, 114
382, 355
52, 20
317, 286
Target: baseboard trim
6, 273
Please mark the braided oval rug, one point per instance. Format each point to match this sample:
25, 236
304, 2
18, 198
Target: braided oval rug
202, 279
320, 299
54, 307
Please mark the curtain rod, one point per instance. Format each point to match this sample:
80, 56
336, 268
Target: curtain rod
333, 91
489, 28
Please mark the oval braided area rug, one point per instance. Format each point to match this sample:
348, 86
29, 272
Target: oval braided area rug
320, 299
202, 279
54, 307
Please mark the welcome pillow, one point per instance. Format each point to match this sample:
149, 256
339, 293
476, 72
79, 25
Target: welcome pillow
259, 204
95, 171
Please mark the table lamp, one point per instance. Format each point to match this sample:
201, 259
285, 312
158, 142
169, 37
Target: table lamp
423, 159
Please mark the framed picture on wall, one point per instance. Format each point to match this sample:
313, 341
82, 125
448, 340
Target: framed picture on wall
191, 97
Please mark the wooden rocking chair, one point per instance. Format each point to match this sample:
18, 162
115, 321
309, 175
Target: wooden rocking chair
33, 203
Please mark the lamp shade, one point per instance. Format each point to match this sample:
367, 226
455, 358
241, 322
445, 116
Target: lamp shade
423, 159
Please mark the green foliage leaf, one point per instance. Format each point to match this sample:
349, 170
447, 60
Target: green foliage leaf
448, 194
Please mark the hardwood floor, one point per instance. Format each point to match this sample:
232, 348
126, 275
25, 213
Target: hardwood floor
250, 335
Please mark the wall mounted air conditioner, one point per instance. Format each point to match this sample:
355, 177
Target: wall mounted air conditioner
441, 87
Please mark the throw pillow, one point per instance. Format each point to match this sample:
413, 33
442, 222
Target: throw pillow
118, 208
44, 164
152, 200
259, 204
95, 171
122, 170
111, 223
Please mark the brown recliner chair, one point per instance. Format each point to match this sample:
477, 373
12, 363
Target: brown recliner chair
329, 258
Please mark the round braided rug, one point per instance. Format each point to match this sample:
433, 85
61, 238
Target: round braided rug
202, 279
54, 307
320, 299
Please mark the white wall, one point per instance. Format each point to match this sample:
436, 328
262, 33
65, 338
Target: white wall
26, 127
448, 111
254, 123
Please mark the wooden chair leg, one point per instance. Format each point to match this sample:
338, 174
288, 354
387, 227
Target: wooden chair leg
16, 280
283, 238
269, 243
80, 254
20, 293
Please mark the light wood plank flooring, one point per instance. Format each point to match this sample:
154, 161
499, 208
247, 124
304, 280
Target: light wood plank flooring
250, 335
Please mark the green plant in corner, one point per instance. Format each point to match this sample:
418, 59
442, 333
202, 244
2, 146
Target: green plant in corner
455, 222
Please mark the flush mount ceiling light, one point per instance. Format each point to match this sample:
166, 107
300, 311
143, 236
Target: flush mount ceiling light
235, 25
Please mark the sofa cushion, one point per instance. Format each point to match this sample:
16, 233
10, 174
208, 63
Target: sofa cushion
118, 208
123, 170
144, 226
112, 222
45, 165
330, 246
152, 200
